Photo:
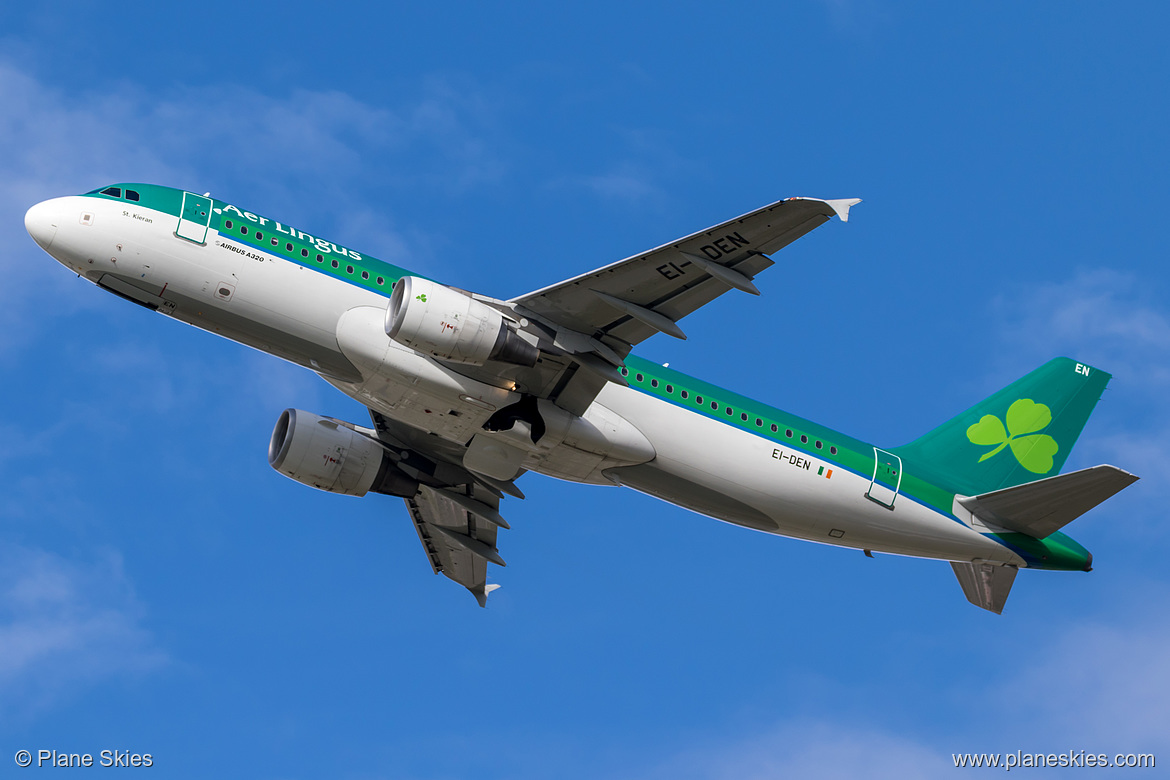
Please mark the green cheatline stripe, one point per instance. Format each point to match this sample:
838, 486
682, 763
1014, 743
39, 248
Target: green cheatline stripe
168, 200
1057, 551
852, 454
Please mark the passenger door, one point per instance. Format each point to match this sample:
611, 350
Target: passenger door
194, 217
887, 478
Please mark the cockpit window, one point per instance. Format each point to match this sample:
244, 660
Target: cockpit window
131, 195
114, 192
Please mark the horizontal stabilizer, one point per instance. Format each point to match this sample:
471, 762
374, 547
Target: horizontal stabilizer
985, 584
1042, 508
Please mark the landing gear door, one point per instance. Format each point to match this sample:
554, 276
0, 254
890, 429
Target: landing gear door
194, 217
887, 478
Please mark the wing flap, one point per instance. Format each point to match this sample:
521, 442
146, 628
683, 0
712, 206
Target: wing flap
1040, 509
458, 542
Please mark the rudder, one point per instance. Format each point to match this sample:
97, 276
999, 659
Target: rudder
1022, 433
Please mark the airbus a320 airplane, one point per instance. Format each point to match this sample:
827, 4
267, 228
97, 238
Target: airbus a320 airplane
466, 393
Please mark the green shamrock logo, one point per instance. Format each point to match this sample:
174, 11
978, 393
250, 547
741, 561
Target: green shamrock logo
1025, 418
421, 297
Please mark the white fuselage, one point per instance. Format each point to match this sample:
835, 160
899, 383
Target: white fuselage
334, 328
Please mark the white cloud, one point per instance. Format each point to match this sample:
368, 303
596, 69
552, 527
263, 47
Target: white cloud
858, 18
1101, 686
808, 750
64, 625
328, 140
319, 153
1111, 320
1102, 316
625, 183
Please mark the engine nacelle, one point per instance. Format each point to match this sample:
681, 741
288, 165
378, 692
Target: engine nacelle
450, 325
322, 453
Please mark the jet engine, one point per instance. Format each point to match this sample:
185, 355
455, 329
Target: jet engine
329, 455
451, 325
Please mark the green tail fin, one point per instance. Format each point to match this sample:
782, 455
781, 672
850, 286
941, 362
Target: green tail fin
1022, 433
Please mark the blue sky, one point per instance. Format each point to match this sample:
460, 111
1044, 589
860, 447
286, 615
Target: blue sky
163, 590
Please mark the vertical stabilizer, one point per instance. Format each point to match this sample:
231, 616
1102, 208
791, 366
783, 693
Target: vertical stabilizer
1022, 433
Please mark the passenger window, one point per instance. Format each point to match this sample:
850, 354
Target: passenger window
288, 246
774, 428
654, 383
304, 253
832, 450
349, 269
788, 432
132, 195
743, 417
259, 236
320, 259
684, 394
803, 439
113, 192
244, 230
227, 223
699, 400
625, 372
730, 411
818, 445
275, 241
381, 281
715, 405
670, 389
759, 423
365, 274
335, 264
638, 378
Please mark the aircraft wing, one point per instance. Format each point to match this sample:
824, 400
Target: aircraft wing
631, 300
458, 541
588, 324
456, 513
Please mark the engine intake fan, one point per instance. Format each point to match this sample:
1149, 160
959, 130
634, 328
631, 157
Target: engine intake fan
327, 454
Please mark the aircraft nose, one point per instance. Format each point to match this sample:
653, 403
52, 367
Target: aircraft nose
41, 223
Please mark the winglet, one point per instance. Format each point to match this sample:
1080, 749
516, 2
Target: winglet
481, 594
842, 206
